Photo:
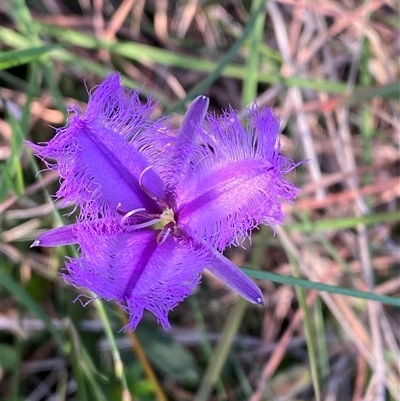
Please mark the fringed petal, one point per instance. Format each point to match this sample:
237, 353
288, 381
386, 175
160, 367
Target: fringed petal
118, 108
136, 272
99, 167
172, 152
236, 180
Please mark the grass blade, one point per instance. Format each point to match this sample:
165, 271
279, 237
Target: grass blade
29, 303
250, 83
308, 329
14, 58
313, 285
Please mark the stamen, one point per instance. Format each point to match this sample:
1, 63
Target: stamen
165, 232
163, 236
150, 194
134, 211
142, 219
138, 226
150, 221
130, 214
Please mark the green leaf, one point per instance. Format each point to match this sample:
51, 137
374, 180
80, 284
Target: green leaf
8, 357
250, 81
343, 223
25, 299
12, 169
140, 52
221, 351
168, 356
13, 58
84, 369
313, 285
309, 329
388, 91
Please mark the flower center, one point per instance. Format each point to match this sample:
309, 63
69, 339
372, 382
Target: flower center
166, 217
137, 219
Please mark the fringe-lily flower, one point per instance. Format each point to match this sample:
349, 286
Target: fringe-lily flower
158, 206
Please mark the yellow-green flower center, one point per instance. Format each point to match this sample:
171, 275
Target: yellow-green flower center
167, 216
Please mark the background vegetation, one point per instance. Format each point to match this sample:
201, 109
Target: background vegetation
330, 69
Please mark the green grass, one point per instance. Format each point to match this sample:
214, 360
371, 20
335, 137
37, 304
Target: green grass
328, 275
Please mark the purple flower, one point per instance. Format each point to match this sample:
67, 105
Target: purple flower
156, 206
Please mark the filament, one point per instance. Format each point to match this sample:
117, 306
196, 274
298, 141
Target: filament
130, 214
138, 226
163, 236
150, 194
151, 219
164, 222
